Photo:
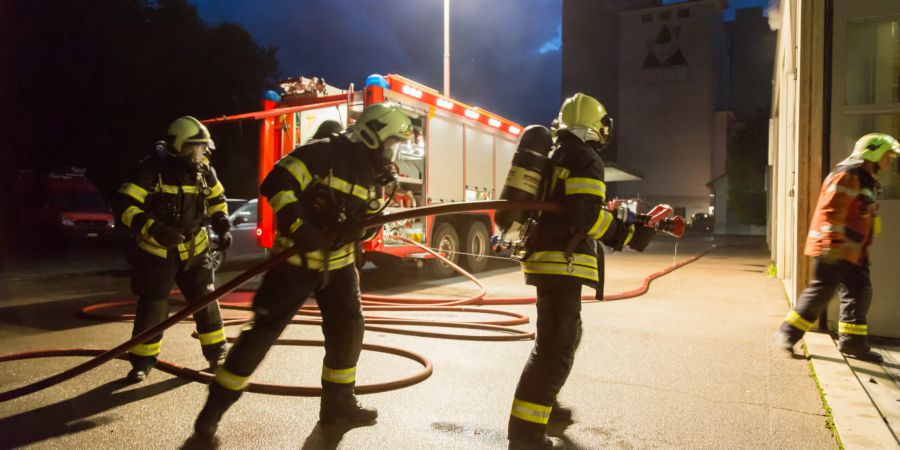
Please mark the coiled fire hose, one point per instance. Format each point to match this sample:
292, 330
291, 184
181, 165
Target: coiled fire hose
371, 303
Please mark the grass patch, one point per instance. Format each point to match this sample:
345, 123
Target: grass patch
829, 419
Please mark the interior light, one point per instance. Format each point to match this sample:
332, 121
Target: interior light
494, 122
514, 129
472, 114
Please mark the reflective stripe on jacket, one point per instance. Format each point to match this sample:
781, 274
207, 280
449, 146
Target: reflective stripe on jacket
160, 189
321, 184
845, 214
578, 183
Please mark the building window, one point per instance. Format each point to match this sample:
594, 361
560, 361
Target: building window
683, 13
646, 18
873, 89
665, 15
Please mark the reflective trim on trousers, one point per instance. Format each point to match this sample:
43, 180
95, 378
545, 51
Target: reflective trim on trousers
798, 322
146, 349
213, 337
134, 191
231, 381
340, 376
853, 328
531, 412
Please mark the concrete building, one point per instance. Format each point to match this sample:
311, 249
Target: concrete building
837, 77
673, 78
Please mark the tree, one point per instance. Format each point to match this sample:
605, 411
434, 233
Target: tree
96, 83
746, 170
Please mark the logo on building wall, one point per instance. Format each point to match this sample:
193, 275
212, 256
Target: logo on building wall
665, 63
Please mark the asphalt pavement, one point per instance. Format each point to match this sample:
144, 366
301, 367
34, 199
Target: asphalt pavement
688, 365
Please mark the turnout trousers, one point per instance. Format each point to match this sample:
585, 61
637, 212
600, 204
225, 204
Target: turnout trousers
855, 291
551, 359
152, 279
284, 289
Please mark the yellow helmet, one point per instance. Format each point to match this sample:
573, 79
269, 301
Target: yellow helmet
379, 122
586, 118
873, 146
186, 130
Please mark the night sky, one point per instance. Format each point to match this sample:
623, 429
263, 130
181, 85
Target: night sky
505, 53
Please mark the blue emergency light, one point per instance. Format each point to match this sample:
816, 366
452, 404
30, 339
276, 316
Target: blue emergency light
377, 80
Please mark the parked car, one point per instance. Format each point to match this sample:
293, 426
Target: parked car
702, 222
62, 205
243, 232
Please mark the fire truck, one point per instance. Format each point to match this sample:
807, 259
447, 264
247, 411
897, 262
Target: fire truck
459, 153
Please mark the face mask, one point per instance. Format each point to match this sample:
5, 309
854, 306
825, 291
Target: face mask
193, 155
384, 162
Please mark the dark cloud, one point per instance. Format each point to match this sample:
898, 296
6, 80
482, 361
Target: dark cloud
495, 46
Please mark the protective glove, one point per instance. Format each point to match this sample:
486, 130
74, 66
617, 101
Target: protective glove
225, 241
165, 235
310, 238
641, 238
221, 224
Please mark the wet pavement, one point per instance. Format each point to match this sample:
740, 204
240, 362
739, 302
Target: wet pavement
688, 365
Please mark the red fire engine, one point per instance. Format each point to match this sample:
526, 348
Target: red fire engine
459, 153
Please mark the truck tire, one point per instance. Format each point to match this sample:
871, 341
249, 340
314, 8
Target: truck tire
445, 240
476, 246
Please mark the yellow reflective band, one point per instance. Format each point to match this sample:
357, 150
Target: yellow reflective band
630, 235
213, 337
230, 381
560, 269
347, 188
129, 214
560, 257
282, 199
297, 223
589, 186
530, 412
876, 225
797, 322
216, 191
146, 349
853, 328
201, 243
169, 189
601, 225
134, 191
298, 169
221, 207
145, 230
342, 257
153, 249
341, 376
523, 179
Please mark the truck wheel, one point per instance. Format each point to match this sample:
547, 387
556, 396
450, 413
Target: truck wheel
446, 242
477, 244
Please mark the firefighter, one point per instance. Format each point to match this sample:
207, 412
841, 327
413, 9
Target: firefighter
843, 226
166, 202
562, 257
320, 193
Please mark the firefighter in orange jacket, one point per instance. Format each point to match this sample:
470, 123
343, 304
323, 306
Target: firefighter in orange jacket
166, 202
320, 193
562, 257
843, 225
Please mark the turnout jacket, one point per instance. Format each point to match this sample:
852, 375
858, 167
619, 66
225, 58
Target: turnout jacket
578, 184
323, 184
846, 215
164, 190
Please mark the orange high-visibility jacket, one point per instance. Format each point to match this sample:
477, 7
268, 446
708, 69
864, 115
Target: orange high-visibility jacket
845, 214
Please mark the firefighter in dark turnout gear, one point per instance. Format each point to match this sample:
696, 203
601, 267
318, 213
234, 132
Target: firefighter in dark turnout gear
843, 226
563, 256
320, 193
166, 202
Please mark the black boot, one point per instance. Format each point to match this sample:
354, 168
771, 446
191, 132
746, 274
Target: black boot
560, 413
219, 400
140, 369
344, 408
216, 356
863, 354
546, 443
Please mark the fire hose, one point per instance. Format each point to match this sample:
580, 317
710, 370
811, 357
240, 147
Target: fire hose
373, 303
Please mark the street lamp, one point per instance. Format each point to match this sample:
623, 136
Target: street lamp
446, 48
